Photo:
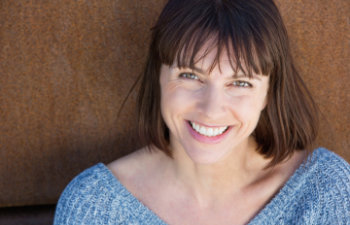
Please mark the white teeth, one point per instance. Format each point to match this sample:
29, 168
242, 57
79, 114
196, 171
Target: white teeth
208, 131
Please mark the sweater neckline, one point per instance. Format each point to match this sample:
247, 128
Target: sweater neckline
283, 195
275, 202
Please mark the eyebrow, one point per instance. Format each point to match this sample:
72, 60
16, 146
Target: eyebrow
235, 76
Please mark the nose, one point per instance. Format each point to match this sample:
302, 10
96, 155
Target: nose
212, 102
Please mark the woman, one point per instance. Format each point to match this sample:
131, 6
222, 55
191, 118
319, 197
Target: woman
227, 124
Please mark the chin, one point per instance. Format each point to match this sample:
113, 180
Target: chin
205, 156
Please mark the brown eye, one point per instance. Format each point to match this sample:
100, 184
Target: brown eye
243, 84
189, 76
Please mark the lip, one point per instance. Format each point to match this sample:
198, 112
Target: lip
206, 125
206, 139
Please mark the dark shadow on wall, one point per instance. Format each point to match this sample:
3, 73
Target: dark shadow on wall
30, 215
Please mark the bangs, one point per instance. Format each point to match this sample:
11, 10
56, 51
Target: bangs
194, 32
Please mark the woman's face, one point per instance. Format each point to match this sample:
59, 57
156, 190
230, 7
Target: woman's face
210, 114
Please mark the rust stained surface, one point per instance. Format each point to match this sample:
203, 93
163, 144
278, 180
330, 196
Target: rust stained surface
66, 67
320, 39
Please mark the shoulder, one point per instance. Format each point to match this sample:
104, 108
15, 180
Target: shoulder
98, 195
325, 169
136, 169
130, 165
330, 168
317, 193
94, 195
329, 183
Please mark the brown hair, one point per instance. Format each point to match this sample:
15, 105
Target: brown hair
252, 31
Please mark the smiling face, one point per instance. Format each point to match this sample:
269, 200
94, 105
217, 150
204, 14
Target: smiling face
211, 113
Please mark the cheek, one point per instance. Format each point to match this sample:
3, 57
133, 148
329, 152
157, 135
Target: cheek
175, 93
174, 100
247, 108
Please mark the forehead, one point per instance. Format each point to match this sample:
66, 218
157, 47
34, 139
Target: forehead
207, 60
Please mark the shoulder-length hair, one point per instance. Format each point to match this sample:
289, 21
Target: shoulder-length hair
253, 34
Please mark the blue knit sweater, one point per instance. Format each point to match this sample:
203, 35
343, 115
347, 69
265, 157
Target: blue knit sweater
317, 193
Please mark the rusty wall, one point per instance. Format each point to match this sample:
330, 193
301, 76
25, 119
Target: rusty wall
320, 39
66, 66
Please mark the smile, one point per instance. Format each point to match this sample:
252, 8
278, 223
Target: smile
208, 131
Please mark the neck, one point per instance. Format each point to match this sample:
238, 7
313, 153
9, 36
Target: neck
227, 177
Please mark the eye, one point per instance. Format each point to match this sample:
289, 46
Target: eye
189, 76
243, 84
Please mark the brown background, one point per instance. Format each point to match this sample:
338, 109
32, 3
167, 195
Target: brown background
66, 66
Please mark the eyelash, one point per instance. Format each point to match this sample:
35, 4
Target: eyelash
189, 76
242, 84
237, 83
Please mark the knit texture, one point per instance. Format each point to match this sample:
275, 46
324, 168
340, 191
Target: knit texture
317, 193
